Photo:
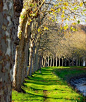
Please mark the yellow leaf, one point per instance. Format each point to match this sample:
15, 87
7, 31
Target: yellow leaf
81, 4
30, 20
74, 29
71, 28
65, 27
52, 9
39, 29
74, 23
59, 3
68, 19
62, 16
72, 9
50, 18
59, 9
63, 11
65, 3
45, 28
65, 7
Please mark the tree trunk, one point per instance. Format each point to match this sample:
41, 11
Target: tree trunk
65, 63
34, 63
15, 70
19, 64
69, 62
6, 15
33, 60
72, 62
44, 61
79, 61
48, 61
20, 61
83, 61
53, 60
62, 61
40, 62
38, 67
56, 60
30, 60
37, 59
59, 60
26, 59
18, 5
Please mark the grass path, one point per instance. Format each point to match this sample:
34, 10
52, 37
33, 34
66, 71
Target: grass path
50, 86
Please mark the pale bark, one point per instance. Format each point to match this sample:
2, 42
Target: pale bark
18, 4
14, 69
83, 61
30, 59
51, 62
20, 61
19, 64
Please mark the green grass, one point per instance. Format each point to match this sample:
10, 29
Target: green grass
50, 86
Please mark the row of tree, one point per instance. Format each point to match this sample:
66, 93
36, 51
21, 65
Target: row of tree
67, 44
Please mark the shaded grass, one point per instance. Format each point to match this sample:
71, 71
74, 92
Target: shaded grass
50, 86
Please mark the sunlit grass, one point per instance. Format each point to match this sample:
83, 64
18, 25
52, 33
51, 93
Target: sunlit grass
50, 86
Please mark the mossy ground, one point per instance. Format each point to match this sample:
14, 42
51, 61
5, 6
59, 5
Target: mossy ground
50, 85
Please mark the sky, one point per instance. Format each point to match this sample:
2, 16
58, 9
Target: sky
81, 18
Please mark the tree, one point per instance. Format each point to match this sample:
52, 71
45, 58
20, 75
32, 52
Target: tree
6, 26
25, 34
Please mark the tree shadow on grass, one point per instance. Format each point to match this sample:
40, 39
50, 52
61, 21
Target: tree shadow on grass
67, 74
33, 97
40, 79
34, 86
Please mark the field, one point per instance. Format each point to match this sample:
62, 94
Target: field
50, 84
